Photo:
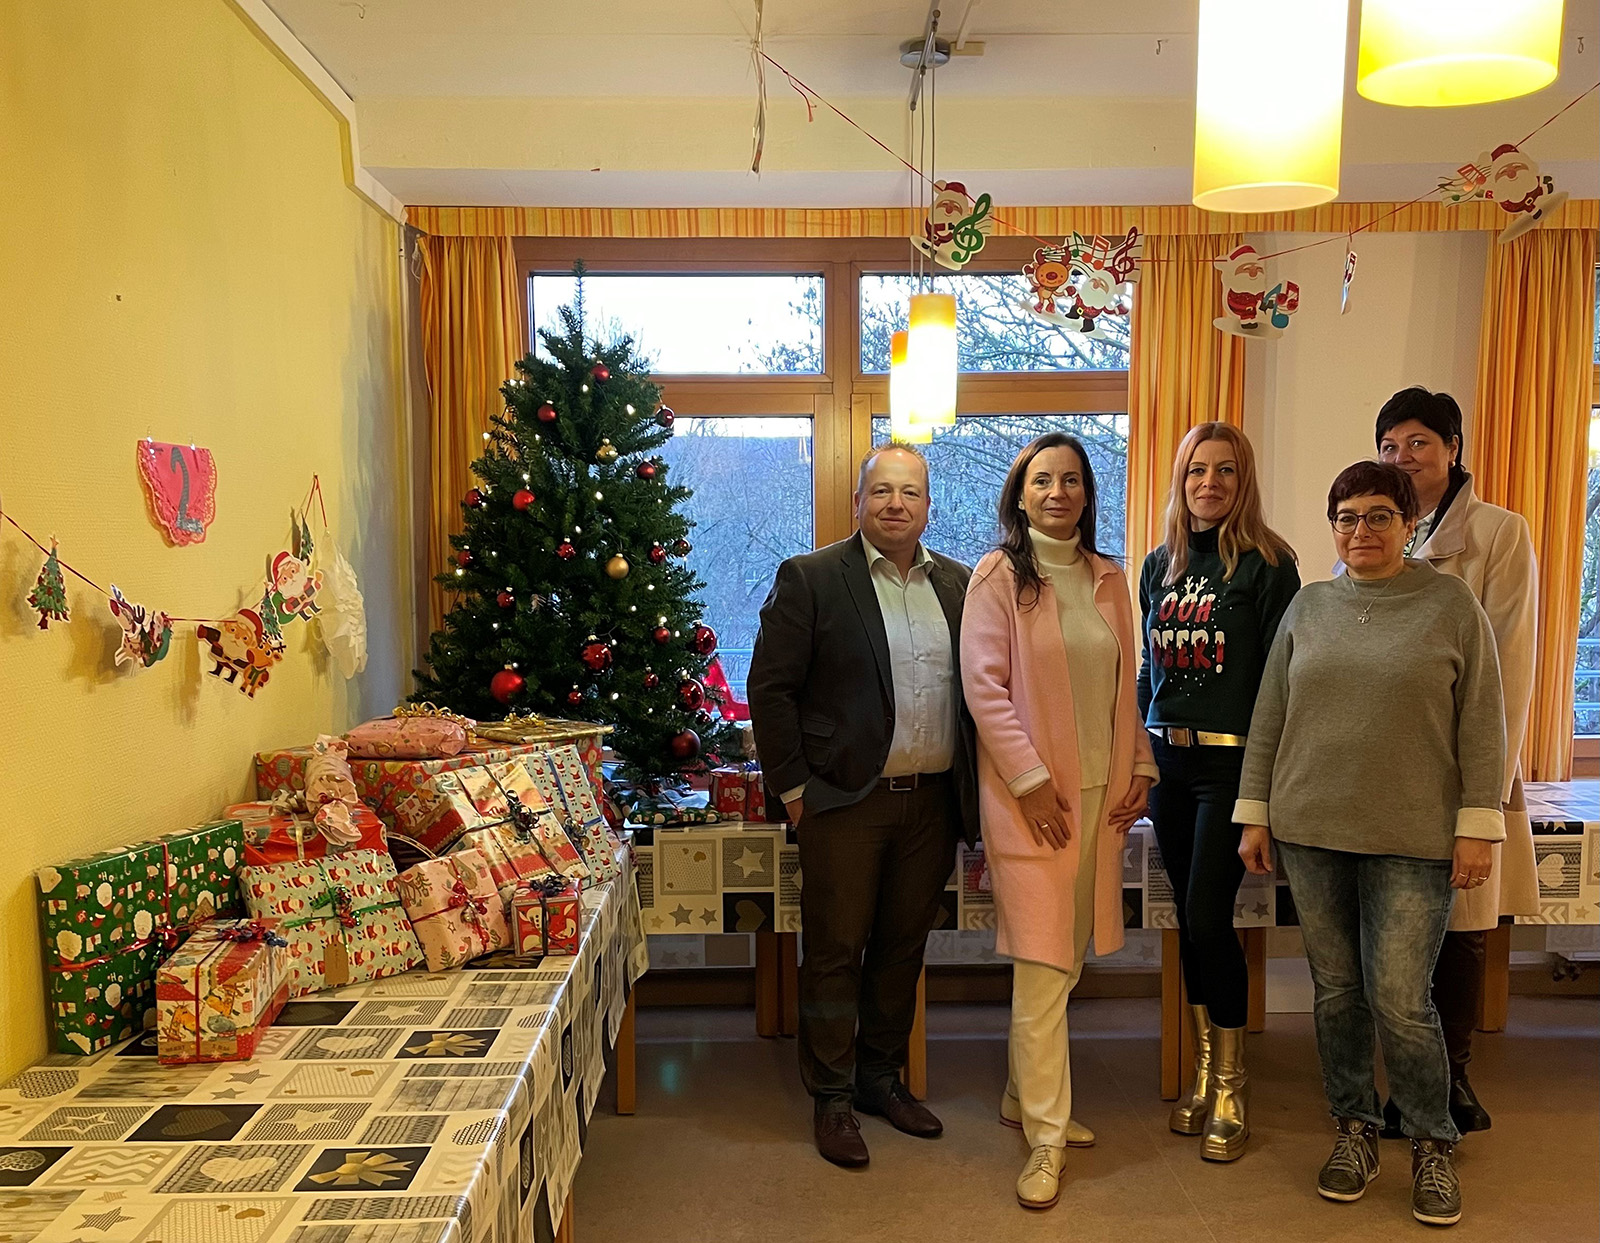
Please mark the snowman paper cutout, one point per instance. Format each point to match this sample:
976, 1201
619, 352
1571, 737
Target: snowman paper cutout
1512, 179
1083, 279
1254, 310
957, 226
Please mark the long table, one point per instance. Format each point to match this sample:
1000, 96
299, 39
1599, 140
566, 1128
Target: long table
423, 1108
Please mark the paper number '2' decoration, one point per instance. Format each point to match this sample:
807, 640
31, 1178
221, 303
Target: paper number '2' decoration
182, 483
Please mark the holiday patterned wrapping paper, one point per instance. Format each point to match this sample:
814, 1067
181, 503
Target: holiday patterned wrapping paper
559, 776
274, 835
414, 1109
739, 792
513, 860
1566, 848
455, 909
534, 788
106, 922
219, 992
383, 784
544, 919
341, 916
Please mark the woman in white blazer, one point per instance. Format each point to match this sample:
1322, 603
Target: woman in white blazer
1490, 549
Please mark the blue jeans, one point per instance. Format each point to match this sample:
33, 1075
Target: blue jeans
1373, 925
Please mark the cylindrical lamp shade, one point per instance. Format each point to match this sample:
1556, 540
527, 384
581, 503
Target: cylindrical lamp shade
1443, 53
1269, 104
902, 430
931, 359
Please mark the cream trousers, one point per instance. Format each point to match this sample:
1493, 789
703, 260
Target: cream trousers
1040, 1069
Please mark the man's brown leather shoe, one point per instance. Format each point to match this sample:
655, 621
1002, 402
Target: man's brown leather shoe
839, 1138
904, 1111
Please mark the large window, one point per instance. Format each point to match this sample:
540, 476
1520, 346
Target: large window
773, 355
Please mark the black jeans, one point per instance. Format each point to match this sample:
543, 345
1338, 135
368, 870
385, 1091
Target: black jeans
1192, 810
1458, 995
871, 876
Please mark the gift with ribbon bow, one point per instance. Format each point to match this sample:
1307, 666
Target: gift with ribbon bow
109, 919
536, 810
544, 918
563, 779
340, 914
283, 830
737, 790
512, 853
220, 991
455, 907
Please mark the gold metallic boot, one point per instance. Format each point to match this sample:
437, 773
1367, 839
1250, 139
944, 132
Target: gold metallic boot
1227, 1128
1188, 1116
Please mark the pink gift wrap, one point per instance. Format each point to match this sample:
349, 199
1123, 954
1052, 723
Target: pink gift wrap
407, 738
220, 990
545, 924
511, 860
455, 909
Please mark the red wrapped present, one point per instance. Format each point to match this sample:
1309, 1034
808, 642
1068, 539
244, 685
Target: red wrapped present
220, 991
455, 909
532, 789
273, 833
560, 777
737, 790
544, 918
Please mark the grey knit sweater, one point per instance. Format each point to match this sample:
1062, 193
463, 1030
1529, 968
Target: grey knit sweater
1384, 738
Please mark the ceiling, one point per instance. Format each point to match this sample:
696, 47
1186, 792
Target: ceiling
650, 103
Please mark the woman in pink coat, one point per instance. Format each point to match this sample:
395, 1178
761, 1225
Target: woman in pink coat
1049, 665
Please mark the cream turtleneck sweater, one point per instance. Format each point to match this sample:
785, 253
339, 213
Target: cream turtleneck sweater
1093, 658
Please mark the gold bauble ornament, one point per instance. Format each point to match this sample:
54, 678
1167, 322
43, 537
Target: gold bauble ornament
606, 453
618, 566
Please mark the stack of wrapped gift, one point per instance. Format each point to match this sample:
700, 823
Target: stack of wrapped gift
544, 918
560, 777
108, 920
220, 992
738, 791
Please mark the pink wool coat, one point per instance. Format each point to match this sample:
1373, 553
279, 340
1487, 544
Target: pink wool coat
1019, 692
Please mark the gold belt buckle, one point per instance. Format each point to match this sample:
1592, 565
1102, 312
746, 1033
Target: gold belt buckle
1180, 736
895, 786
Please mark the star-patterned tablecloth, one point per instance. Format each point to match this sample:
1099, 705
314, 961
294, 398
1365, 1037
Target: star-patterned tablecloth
1566, 846
422, 1108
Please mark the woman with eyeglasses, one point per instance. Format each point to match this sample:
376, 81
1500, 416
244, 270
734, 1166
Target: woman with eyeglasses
1048, 659
1375, 763
1489, 549
1210, 600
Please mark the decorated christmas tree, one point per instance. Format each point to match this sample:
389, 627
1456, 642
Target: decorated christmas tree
573, 598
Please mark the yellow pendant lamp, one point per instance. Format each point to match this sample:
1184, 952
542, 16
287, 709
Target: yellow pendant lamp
931, 359
1443, 53
902, 429
1269, 104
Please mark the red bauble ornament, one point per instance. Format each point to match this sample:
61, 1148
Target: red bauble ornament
506, 685
575, 698
463, 558
565, 550
652, 679
505, 599
682, 548
646, 469
661, 635
596, 655
545, 413
691, 694
658, 554
474, 498
685, 746
665, 417
522, 499
703, 639
600, 372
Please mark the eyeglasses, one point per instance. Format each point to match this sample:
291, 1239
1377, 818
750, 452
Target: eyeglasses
1377, 520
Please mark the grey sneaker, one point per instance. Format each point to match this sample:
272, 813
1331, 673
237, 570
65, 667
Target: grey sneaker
1435, 1189
1354, 1162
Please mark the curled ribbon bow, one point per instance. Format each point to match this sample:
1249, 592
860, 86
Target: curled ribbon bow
251, 930
344, 906
473, 908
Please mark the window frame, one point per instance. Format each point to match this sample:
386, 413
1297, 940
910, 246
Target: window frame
841, 400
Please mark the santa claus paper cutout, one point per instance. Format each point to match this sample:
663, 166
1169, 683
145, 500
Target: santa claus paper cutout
957, 225
1253, 309
1082, 280
1510, 178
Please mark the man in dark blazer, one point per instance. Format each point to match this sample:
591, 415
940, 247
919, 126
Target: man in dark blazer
855, 696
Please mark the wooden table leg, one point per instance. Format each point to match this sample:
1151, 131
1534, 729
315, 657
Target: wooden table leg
627, 1066
1171, 1016
916, 1072
1255, 959
767, 989
1496, 978
788, 984
566, 1232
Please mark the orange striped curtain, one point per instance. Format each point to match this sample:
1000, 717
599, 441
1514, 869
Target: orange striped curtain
1182, 371
1530, 447
472, 335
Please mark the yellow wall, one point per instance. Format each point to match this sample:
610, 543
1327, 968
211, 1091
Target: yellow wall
181, 258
